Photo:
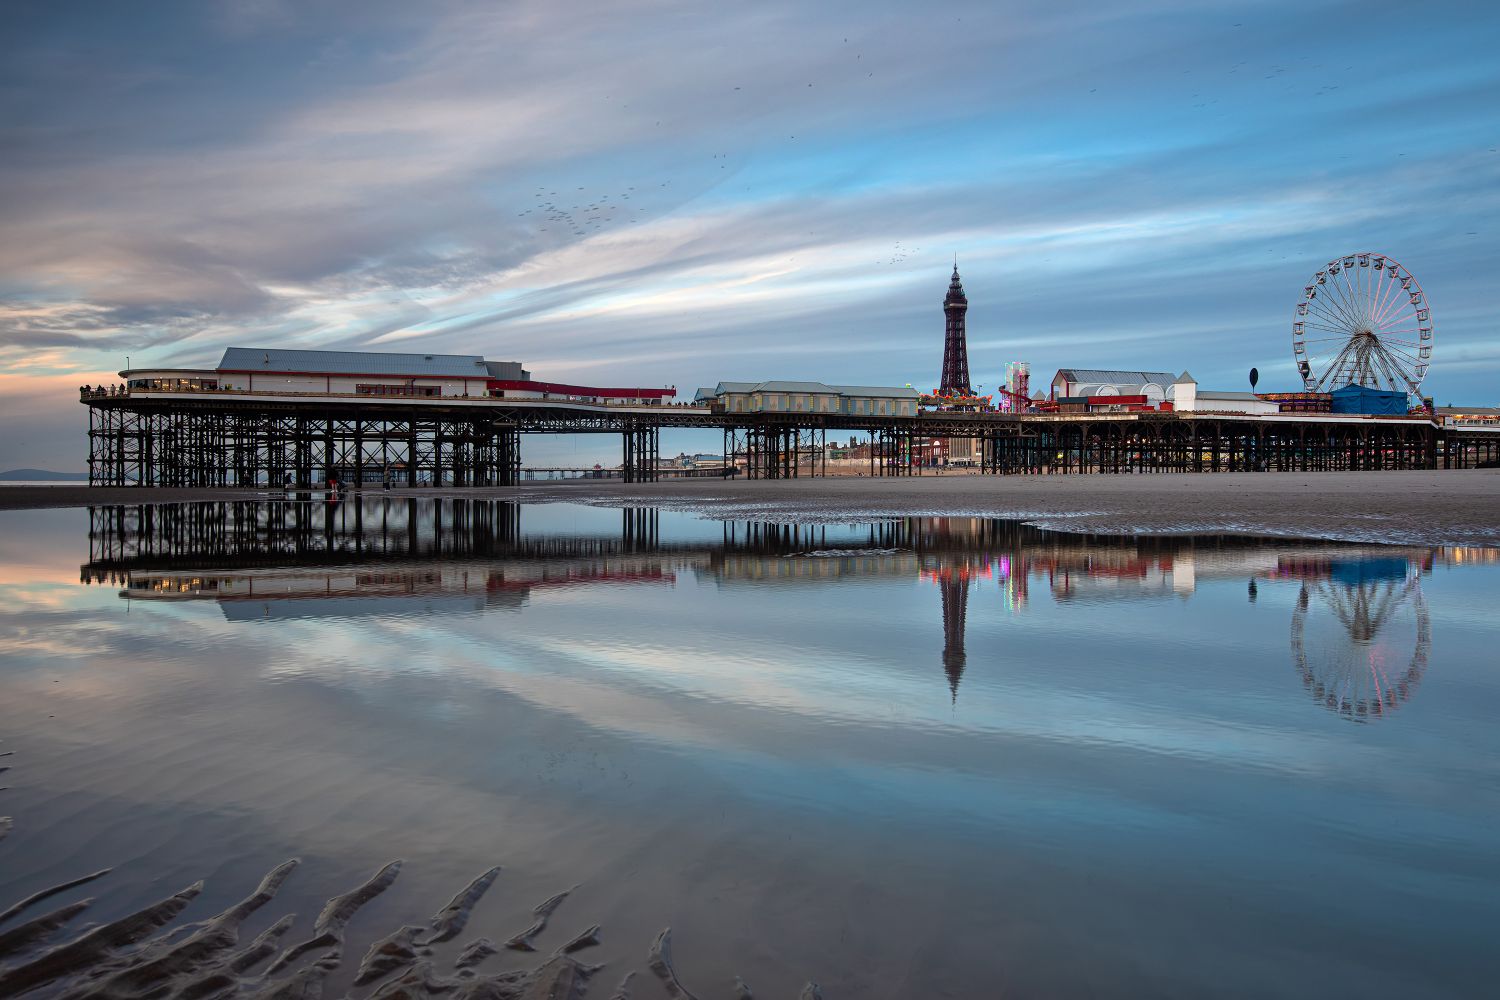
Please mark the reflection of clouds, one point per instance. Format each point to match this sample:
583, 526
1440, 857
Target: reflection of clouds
716, 659
689, 694
607, 734
617, 684
53, 595
793, 737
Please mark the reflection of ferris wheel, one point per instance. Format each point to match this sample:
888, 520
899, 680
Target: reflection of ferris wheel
1362, 320
1361, 648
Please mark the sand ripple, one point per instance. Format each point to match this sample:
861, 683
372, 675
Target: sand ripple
137, 957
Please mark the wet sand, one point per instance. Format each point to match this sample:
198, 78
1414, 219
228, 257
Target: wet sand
147, 953
1447, 507
370, 926
141, 955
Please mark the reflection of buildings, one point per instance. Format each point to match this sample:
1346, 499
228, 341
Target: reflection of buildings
1362, 670
318, 592
426, 588
1360, 629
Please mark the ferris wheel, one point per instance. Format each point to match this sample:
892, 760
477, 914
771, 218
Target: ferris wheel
1362, 320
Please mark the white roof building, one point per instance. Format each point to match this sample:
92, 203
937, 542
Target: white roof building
1072, 382
296, 362
1186, 397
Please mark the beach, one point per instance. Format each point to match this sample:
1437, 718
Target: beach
1437, 507
411, 745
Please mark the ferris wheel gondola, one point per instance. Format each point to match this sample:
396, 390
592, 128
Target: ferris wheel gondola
1362, 320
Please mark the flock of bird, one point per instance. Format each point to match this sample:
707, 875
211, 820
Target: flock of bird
900, 253
586, 216
594, 212
591, 214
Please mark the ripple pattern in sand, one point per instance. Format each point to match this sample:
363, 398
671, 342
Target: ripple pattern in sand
141, 955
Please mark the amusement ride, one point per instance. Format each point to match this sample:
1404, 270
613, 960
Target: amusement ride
1362, 320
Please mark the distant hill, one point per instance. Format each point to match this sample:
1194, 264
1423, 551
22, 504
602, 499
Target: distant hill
43, 476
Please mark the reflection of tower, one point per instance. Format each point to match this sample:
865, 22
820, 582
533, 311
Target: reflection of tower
955, 590
955, 345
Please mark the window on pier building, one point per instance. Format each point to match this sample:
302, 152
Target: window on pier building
173, 384
398, 390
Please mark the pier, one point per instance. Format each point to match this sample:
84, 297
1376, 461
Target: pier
189, 437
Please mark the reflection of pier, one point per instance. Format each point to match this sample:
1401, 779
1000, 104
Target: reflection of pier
273, 559
276, 533
279, 533
289, 559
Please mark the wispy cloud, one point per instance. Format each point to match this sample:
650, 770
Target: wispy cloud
658, 192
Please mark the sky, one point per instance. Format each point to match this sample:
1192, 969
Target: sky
670, 193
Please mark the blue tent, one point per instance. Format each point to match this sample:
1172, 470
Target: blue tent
1353, 572
1363, 399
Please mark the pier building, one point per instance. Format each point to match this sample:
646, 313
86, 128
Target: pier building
378, 374
1071, 383
810, 397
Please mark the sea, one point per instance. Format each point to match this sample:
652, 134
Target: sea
424, 746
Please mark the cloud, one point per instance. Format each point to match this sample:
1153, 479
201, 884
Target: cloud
660, 193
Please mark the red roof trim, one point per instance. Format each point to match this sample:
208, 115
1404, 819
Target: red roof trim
557, 387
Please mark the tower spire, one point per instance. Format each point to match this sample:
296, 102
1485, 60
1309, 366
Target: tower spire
955, 380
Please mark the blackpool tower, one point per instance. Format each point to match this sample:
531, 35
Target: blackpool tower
955, 380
